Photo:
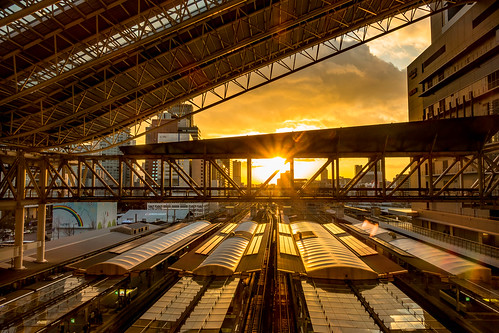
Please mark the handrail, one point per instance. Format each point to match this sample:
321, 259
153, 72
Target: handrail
441, 236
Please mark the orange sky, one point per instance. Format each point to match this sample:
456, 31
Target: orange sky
366, 85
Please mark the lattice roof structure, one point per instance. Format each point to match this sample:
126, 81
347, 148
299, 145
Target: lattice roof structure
75, 71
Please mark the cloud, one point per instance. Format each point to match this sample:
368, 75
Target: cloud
402, 46
354, 88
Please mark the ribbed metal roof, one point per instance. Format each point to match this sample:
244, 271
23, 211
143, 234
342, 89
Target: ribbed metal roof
123, 263
449, 262
371, 229
326, 257
224, 260
246, 229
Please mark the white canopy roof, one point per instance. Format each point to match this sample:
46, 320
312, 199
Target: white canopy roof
370, 228
246, 229
224, 260
449, 262
124, 262
324, 256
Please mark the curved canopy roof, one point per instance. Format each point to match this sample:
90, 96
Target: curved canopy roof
224, 260
370, 228
246, 229
125, 262
449, 262
324, 256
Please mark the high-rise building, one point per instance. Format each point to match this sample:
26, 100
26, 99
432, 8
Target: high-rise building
112, 166
169, 128
236, 172
458, 76
175, 126
371, 177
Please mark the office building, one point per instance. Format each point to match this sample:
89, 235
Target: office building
112, 165
457, 76
171, 127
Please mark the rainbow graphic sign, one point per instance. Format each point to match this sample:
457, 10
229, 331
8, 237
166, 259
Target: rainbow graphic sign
72, 212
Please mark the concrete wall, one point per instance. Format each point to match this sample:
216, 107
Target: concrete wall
84, 215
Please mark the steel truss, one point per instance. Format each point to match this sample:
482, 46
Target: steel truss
471, 179
94, 76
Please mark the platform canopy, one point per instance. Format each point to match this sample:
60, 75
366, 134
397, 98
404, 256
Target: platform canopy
458, 135
325, 257
125, 262
225, 259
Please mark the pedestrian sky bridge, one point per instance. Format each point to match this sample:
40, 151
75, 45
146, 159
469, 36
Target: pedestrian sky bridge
76, 72
470, 176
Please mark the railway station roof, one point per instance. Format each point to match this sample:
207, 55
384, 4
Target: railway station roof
441, 260
75, 71
124, 262
246, 229
324, 256
456, 135
449, 262
224, 260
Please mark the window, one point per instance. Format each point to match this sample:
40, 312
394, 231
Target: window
441, 76
434, 56
441, 105
430, 111
413, 73
495, 106
493, 80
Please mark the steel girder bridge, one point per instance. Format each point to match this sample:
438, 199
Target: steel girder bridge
76, 72
471, 176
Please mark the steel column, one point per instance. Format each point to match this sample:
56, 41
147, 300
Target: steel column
19, 212
248, 176
42, 215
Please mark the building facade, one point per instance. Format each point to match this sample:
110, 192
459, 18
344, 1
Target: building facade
112, 166
171, 127
458, 76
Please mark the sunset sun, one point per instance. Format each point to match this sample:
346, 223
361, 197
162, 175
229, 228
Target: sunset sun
263, 168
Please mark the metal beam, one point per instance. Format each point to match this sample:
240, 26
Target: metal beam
32, 8
100, 115
19, 214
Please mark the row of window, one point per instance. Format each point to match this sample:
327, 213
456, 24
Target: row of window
493, 80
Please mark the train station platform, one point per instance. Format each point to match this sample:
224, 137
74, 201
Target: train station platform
63, 251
